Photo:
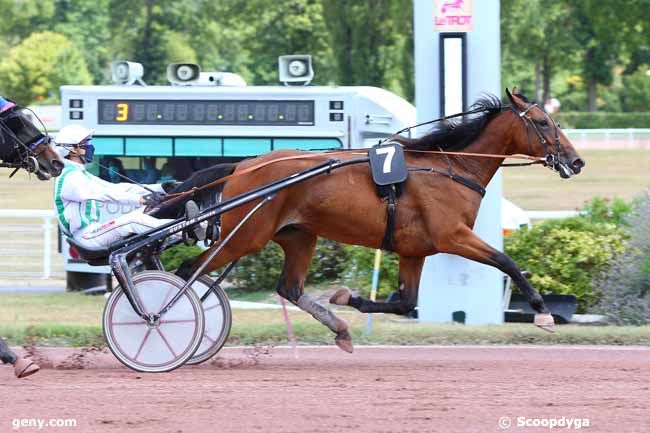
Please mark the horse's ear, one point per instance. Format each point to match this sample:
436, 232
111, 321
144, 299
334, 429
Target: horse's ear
509, 95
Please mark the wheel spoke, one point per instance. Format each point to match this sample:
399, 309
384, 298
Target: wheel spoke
144, 340
177, 321
165, 299
129, 323
212, 308
167, 343
208, 337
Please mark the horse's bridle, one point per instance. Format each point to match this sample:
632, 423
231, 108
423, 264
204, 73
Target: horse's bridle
551, 160
27, 154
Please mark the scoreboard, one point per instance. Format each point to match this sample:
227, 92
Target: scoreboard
232, 121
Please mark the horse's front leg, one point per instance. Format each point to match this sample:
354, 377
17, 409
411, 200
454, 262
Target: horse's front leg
410, 269
467, 244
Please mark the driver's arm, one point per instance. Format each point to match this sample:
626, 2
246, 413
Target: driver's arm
77, 187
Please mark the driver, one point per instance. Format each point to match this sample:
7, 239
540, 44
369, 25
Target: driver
80, 198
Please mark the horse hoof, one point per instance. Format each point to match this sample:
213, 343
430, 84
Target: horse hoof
341, 297
545, 321
344, 341
25, 367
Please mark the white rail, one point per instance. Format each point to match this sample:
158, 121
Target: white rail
21, 246
627, 138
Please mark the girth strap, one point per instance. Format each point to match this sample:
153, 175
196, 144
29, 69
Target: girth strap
387, 242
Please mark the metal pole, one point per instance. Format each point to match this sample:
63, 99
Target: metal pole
373, 289
47, 248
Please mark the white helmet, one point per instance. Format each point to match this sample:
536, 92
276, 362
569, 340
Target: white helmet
72, 135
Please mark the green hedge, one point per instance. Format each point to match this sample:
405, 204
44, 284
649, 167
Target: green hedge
261, 271
565, 256
602, 120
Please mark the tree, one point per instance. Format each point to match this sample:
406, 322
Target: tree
91, 36
363, 33
535, 43
36, 68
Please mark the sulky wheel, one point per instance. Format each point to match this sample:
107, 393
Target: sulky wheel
218, 318
158, 347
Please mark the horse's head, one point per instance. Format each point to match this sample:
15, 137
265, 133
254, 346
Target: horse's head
49, 161
23, 144
539, 135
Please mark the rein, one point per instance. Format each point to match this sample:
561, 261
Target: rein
549, 160
173, 197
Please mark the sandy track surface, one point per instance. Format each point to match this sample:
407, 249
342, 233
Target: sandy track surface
389, 389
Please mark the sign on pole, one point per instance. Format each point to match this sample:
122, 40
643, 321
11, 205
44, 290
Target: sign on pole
453, 16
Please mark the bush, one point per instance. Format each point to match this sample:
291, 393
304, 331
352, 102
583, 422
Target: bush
625, 287
172, 258
358, 271
599, 120
36, 68
600, 209
564, 255
261, 271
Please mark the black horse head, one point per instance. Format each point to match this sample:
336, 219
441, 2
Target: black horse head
22, 145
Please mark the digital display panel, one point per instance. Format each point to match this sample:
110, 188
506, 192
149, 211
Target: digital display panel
192, 112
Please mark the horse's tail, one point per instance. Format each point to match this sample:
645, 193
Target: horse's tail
173, 206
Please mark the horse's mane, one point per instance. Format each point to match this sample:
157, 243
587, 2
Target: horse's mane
455, 135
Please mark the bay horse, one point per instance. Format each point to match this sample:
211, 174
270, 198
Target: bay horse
435, 213
22, 145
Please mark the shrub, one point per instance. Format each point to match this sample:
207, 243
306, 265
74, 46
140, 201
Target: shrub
600, 209
261, 271
625, 287
564, 255
172, 258
358, 271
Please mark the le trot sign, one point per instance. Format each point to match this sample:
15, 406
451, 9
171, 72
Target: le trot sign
453, 16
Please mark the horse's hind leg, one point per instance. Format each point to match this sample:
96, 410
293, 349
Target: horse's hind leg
6, 355
467, 244
298, 248
410, 269
23, 367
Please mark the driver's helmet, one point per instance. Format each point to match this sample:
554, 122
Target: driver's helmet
72, 136
6, 105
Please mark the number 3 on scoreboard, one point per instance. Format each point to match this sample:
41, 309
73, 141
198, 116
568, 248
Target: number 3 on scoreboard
122, 112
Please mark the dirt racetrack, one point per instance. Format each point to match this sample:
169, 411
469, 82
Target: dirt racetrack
388, 389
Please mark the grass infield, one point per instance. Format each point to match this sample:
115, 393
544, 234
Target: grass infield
68, 319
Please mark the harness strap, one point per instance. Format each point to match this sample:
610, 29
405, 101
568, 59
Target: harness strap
469, 183
387, 242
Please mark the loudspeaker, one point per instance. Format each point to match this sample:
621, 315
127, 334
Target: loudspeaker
127, 72
224, 79
183, 73
295, 69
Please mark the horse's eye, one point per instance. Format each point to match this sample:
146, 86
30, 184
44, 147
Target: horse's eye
543, 122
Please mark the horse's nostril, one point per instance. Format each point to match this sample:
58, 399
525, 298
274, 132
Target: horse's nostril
578, 163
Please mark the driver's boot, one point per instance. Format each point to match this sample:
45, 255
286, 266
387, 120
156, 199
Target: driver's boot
192, 211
